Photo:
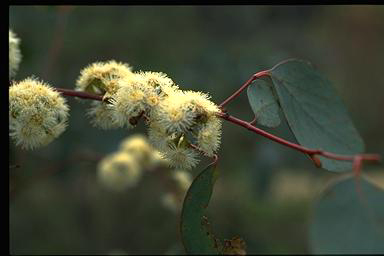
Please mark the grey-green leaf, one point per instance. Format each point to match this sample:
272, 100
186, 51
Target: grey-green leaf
315, 113
264, 104
195, 231
349, 218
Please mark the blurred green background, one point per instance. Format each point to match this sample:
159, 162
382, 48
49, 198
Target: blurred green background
265, 190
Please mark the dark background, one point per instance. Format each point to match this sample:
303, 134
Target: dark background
265, 191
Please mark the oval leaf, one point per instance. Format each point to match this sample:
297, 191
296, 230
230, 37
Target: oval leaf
315, 113
195, 232
349, 218
263, 102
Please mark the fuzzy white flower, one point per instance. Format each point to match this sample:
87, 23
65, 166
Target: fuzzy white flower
37, 113
181, 157
160, 82
201, 103
209, 136
101, 116
158, 136
14, 53
175, 114
101, 77
128, 103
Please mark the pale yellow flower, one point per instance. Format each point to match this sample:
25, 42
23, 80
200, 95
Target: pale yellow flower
175, 113
101, 115
102, 77
209, 136
37, 113
158, 136
201, 103
160, 82
181, 157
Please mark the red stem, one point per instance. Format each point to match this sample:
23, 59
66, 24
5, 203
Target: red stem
57, 41
84, 95
311, 152
244, 86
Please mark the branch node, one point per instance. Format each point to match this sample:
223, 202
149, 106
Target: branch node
357, 164
253, 121
315, 160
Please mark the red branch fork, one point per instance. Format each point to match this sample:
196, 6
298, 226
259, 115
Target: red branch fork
312, 153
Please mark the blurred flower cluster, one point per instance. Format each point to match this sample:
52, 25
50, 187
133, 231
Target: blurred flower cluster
124, 168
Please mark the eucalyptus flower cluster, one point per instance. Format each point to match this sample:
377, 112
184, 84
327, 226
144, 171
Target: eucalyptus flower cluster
37, 113
124, 168
176, 119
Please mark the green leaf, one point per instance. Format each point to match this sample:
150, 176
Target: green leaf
264, 104
196, 235
349, 218
315, 113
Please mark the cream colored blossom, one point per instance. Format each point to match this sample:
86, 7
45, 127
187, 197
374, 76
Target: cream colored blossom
101, 115
173, 147
158, 136
119, 171
129, 102
14, 53
160, 82
175, 114
181, 157
102, 77
37, 113
201, 103
209, 136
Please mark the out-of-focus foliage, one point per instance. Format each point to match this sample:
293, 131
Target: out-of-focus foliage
265, 190
348, 218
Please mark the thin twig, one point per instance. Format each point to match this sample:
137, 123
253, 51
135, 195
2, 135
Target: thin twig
57, 41
310, 152
244, 86
84, 95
